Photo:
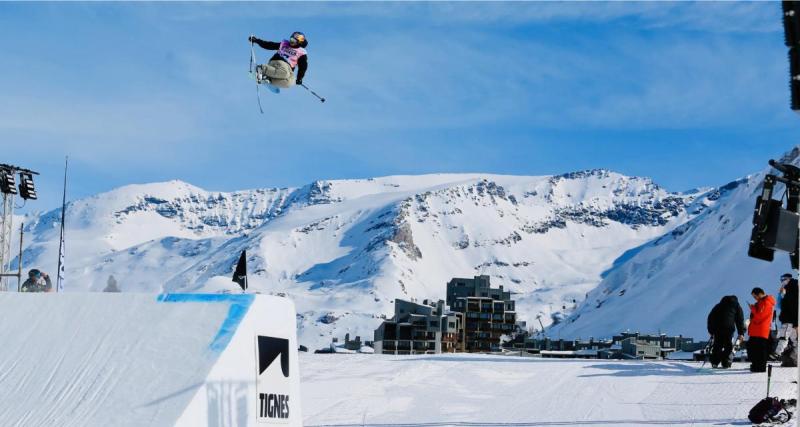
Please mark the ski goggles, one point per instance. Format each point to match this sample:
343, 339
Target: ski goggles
297, 38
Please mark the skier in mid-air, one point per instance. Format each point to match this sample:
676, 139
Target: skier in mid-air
279, 70
725, 318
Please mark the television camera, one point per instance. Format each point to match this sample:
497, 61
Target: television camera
775, 228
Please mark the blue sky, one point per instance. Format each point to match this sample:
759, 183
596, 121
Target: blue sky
691, 94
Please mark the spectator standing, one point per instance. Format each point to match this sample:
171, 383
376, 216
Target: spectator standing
760, 319
724, 319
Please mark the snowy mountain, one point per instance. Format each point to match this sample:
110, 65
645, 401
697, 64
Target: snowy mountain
344, 250
671, 283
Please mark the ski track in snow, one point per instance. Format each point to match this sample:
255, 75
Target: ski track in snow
479, 390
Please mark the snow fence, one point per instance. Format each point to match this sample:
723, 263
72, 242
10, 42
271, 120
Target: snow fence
86, 359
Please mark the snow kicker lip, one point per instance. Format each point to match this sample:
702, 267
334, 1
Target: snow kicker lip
239, 304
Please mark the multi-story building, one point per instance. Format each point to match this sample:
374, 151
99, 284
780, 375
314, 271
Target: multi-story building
452, 332
635, 349
627, 345
488, 312
480, 316
665, 344
420, 329
533, 343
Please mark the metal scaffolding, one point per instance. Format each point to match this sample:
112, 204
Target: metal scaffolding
6, 230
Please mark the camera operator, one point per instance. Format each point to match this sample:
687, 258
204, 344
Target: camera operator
37, 282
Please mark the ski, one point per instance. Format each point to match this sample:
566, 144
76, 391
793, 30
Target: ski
253, 71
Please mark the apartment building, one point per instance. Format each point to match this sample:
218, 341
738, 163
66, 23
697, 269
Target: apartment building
425, 328
489, 313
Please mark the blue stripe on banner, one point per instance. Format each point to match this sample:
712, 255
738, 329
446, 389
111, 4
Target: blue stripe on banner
239, 298
240, 303
235, 315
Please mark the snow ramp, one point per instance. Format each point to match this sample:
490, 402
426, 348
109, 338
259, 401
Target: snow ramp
94, 359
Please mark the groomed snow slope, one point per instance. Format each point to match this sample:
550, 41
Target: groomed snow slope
471, 390
135, 359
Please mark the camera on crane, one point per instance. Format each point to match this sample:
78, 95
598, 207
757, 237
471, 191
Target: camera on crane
775, 228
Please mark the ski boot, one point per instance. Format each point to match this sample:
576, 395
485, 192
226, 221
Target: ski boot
260, 76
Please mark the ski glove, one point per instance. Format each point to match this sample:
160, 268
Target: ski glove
299, 81
252, 39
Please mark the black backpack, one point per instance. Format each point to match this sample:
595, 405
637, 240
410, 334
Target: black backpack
769, 409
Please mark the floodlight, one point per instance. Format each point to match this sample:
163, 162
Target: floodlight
7, 185
26, 188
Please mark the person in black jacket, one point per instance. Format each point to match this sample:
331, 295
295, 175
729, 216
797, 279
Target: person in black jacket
37, 282
291, 54
725, 318
787, 296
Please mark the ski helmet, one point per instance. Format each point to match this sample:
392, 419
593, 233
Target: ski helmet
298, 38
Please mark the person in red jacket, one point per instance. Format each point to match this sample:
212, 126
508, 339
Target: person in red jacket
760, 321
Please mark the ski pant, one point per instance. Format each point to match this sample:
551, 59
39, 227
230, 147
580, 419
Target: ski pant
721, 351
786, 333
280, 73
757, 352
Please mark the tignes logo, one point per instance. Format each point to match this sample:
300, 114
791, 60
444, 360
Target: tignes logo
269, 349
272, 380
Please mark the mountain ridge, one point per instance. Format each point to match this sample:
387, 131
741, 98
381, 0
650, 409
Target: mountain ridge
345, 249
659, 287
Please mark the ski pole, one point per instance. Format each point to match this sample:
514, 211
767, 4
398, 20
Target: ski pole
706, 350
769, 377
321, 99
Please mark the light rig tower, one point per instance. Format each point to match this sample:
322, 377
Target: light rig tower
9, 189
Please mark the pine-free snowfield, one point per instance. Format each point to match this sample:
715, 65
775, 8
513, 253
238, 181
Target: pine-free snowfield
482, 390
